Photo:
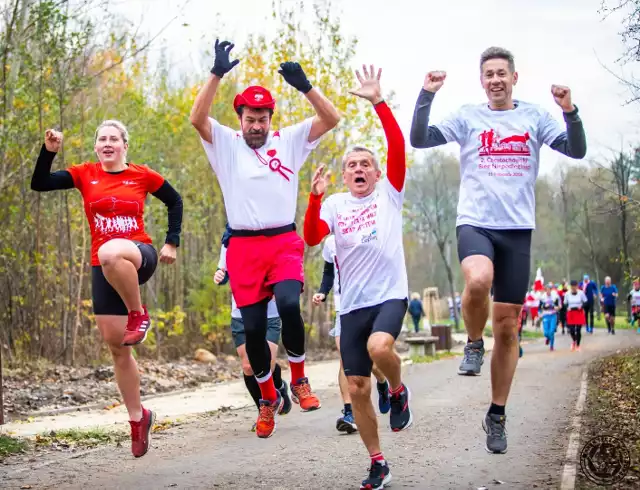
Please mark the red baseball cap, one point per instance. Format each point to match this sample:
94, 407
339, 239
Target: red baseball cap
256, 97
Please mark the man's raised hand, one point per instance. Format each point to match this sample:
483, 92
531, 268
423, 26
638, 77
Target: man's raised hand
320, 181
294, 75
562, 96
222, 64
434, 80
369, 85
52, 140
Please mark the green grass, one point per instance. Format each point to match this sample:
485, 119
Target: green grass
81, 437
528, 334
428, 359
11, 445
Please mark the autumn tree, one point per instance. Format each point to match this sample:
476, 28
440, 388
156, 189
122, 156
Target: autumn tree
431, 199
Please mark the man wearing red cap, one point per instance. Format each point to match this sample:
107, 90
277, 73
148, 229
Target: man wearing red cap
258, 173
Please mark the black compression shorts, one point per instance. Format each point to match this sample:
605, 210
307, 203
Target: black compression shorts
510, 252
357, 327
106, 300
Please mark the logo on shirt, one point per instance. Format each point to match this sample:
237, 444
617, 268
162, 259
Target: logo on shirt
492, 143
95, 181
370, 237
128, 182
114, 217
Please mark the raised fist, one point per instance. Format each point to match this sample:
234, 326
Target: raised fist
222, 64
52, 140
562, 96
434, 80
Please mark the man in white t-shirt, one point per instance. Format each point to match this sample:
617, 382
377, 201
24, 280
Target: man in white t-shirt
257, 170
500, 143
331, 280
367, 224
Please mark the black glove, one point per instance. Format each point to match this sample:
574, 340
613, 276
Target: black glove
222, 64
294, 75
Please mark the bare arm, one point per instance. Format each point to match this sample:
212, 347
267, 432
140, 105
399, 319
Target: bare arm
327, 116
199, 116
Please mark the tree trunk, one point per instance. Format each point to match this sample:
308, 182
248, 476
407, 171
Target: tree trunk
445, 248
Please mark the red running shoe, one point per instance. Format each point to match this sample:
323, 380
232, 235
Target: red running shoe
140, 433
303, 395
266, 423
138, 326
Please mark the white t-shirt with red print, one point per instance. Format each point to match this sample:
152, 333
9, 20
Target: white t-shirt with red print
260, 187
499, 162
369, 249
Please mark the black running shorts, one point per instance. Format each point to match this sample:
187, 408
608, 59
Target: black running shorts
510, 252
609, 310
106, 301
357, 327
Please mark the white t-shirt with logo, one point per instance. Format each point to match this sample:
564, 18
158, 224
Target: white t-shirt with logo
272, 309
576, 300
329, 255
635, 297
260, 187
369, 249
499, 162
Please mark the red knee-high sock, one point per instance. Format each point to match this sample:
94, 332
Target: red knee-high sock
296, 364
267, 388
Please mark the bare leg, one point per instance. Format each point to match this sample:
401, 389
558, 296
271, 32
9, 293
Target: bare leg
383, 354
112, 329
365, 415
380, 378
120, 260
505, 350
342, 379
478, 277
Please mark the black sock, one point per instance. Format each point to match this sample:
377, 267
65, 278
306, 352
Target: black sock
496, 409
382, 386
347, 408
253, 388
481, 340
277, 376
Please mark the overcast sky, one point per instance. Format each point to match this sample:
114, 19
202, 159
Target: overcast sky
554, 41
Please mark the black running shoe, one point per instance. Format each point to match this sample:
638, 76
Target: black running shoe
379, 476
401, 417
286, 401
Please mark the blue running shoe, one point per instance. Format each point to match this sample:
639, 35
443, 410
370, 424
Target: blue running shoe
384, 401
346, 423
